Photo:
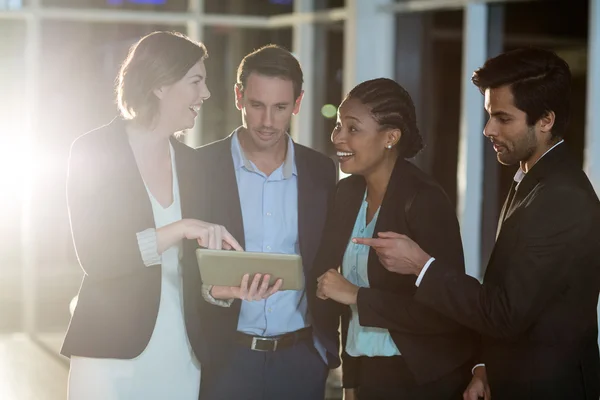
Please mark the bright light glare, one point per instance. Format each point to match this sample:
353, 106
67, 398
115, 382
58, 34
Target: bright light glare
17, 164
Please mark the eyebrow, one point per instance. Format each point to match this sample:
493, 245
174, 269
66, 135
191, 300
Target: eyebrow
351, 117
261, 103
500, 114
197, 76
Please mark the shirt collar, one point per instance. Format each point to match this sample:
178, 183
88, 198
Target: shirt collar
241, 161
521, 174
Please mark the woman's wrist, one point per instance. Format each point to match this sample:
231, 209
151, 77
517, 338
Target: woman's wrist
222, 293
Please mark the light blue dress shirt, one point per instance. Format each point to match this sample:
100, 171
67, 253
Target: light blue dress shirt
364, 341
270, 215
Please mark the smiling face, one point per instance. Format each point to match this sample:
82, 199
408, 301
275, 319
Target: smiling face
179, 103
361, 144
513, 139
267, 105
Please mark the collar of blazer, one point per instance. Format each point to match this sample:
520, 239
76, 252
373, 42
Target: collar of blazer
554, 161
402, 188
119, 150
546, 166
225, 207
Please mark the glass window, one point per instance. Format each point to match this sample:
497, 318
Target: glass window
141, 5
12, 78
249, 7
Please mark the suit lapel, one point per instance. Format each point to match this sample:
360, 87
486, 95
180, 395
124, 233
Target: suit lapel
505, 207
311, 198
350, 206
188, 179
392, 214
228, 197
539, 171
128, 177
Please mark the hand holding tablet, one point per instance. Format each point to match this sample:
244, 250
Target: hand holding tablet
228, 268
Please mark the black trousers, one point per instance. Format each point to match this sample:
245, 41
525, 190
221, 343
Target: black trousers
296, 373
388, 378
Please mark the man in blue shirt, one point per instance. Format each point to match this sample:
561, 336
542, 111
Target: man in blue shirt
272, 195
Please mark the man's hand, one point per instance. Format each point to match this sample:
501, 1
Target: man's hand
397, 253
478, 387
254, 292
332, 285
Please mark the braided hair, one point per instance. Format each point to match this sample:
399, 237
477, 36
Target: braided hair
392, 108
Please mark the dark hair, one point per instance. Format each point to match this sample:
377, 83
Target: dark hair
271, 60
392, 108
156, 60
540, 82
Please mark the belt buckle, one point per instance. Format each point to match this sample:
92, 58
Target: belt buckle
255, 340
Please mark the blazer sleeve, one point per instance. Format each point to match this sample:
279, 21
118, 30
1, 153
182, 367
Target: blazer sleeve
556, 228
106, 246
433, 225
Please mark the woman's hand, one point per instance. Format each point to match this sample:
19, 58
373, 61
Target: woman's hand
211, 236
208, 235
254, 291
332, 285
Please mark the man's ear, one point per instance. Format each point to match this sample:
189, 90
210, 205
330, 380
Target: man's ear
297, 103
546, 123
239, 95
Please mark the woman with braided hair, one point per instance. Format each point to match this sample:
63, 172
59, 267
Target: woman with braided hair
393, 347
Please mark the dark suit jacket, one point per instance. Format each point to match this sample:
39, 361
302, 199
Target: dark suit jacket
108, 204
431, 344
316, 183
536, 308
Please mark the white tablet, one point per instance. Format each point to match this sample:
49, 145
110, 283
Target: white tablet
227, 268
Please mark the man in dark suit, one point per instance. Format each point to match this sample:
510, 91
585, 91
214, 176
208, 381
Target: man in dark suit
272, 195
536, 308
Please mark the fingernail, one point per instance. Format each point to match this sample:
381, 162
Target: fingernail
353, 240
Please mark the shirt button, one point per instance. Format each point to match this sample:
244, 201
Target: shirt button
270, 310
268, 247
268, 214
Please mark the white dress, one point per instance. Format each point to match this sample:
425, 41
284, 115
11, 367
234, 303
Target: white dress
167, 368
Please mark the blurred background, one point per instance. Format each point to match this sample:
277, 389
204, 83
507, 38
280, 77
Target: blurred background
59, 59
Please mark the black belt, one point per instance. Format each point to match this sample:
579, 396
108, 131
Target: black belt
274, 343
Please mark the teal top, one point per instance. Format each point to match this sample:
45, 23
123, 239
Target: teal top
364, 341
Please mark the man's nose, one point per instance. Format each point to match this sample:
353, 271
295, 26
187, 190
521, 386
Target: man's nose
489, 130
267, 118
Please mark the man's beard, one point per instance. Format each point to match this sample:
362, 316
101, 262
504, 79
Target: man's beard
522, 149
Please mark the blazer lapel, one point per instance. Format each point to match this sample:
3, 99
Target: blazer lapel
228, 198
540, 170
189, 181
128, 178
311, 198
351, 205
505, 207
392, 214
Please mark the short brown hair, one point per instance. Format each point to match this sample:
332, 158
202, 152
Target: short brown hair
271, 60
158, 59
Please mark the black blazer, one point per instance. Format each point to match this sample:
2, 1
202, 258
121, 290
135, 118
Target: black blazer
536, 308
431, 344
108, 204
316, 184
